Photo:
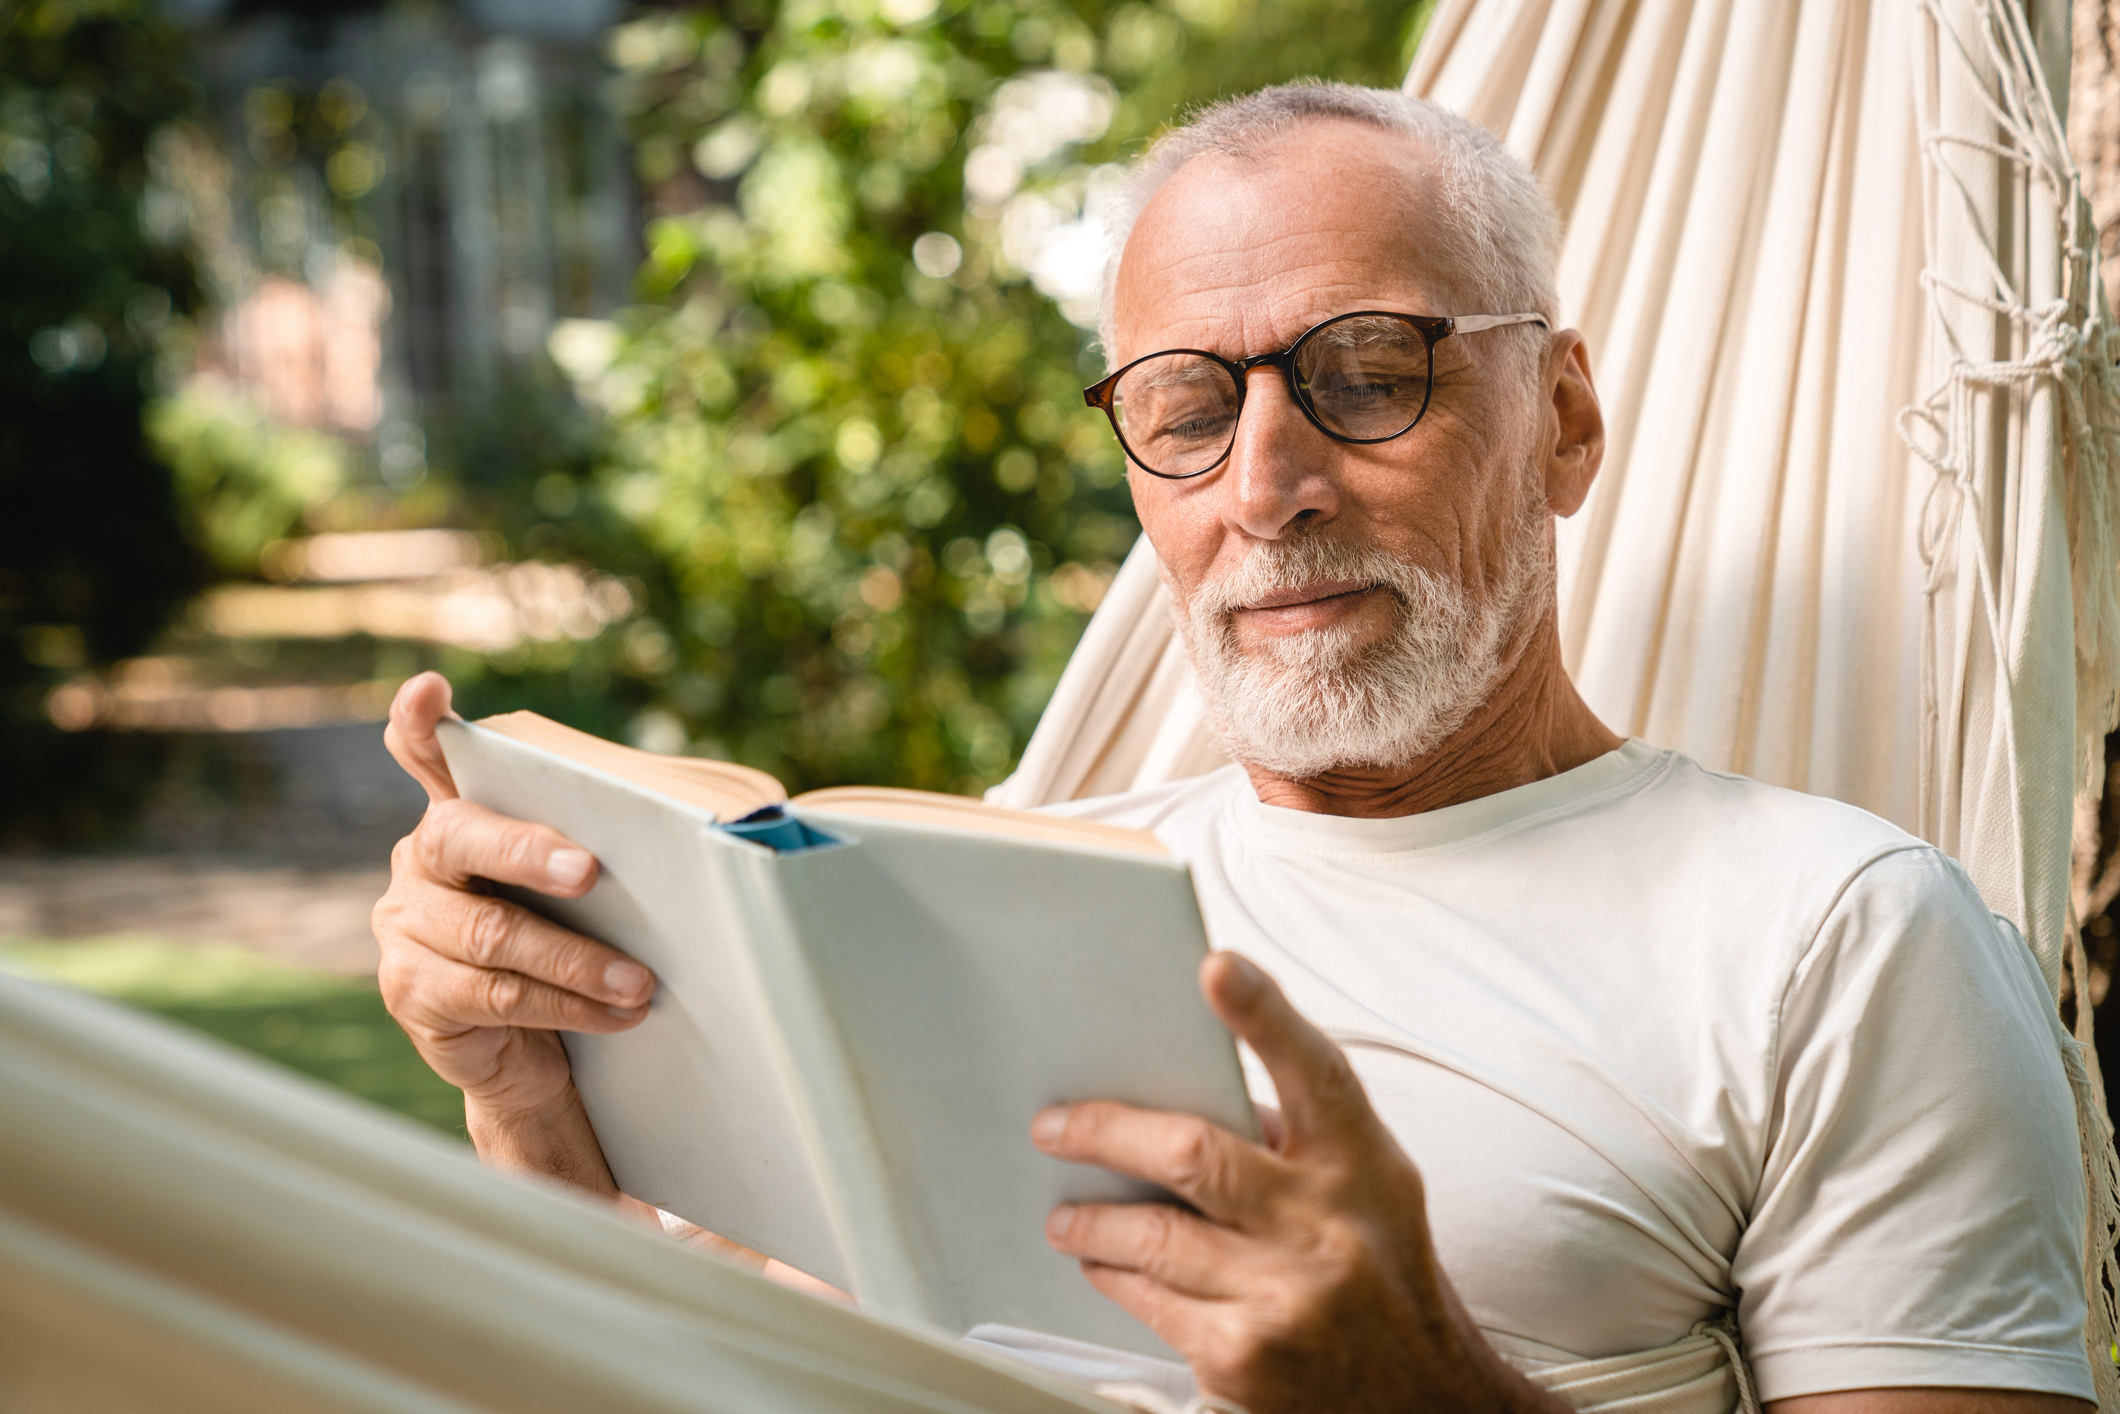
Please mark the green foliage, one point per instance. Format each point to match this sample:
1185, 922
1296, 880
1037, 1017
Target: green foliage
877, 508
328, 1027
92, 557
854, 490
242, 482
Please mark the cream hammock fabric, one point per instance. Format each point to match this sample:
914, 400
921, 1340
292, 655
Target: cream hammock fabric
1855, 531
185, 1230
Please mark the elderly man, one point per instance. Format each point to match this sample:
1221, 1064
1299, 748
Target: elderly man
1575, 1044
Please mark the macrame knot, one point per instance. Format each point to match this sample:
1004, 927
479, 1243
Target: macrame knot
2063, 365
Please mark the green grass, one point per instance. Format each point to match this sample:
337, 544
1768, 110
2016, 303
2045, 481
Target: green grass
319, 1023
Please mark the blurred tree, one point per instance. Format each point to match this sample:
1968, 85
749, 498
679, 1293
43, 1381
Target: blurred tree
92, 556
846, 421
836, 449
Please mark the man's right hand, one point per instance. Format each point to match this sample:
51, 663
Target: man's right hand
481, 985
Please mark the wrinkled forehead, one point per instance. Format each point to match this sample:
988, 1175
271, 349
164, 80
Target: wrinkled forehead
1240, 254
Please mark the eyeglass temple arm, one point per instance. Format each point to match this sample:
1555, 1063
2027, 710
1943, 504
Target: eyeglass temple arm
1479, 323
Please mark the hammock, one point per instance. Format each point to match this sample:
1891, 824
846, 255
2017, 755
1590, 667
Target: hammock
182, 1227
1856, 527
187, 1230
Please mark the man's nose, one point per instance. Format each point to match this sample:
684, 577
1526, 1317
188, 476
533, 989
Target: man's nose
1280, 467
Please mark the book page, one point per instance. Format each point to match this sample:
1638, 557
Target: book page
725, 789
956, 812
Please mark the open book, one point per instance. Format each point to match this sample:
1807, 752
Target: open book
866, 994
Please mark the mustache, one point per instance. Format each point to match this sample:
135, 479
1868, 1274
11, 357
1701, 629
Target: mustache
1275, 566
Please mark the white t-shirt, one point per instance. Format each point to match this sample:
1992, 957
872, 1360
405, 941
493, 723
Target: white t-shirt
1663, 1041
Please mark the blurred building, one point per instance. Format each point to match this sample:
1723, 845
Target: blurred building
393, 203
414, 194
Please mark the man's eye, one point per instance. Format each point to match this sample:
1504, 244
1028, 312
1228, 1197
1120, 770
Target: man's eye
1196, 424
1181, 413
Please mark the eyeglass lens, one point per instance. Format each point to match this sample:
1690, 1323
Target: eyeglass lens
1365, 378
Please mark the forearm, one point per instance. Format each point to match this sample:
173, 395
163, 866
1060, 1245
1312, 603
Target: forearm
553, 1140
1494, 1386
1488, 1384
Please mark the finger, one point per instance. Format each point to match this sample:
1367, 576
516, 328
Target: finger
1180, 1250
491, 933
420, 703
458, 841
1184, 1323
1319, 1093
1225, 1177
445, 998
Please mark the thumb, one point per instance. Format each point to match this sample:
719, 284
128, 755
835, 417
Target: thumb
1321, 1097
420, 703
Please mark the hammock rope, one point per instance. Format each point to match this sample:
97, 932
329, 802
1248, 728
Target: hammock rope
2071, 342
2070, 345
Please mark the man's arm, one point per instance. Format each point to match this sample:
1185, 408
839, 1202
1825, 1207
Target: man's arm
1306, 1277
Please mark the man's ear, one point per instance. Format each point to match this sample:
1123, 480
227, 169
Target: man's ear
1577, 448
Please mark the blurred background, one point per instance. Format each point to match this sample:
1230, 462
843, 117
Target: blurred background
706, 377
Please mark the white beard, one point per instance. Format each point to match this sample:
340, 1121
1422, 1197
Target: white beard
1303, 704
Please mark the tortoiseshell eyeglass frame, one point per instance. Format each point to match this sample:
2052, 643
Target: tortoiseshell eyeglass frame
1433, 329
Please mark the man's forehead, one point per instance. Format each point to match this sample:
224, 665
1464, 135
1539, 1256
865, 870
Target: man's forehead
1253, 250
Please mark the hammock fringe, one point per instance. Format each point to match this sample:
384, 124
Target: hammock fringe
2072, 346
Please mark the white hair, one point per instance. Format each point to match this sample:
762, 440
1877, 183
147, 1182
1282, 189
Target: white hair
1495, 226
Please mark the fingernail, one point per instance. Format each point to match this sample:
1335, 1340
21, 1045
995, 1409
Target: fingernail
626, 979
628, 1013
1058, 1222
568, 867
1244, 979
1047, 1128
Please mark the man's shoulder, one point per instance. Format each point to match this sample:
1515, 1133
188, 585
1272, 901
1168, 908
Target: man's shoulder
1745, 848
1692, 807
1726, 802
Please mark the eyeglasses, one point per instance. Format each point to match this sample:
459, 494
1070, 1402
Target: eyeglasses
1361, 377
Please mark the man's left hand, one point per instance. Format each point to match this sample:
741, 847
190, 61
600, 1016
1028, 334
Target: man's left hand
1307, 1278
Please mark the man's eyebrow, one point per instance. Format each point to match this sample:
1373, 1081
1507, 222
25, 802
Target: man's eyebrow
1170, 375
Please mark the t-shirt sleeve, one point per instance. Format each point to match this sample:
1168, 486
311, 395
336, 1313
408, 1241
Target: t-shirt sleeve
1919, 1219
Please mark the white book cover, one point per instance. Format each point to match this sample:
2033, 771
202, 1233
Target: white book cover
849, 1041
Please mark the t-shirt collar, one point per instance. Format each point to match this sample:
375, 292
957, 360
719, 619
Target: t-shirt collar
1282, 830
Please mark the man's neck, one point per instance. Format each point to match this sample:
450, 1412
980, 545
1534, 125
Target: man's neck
1533, 725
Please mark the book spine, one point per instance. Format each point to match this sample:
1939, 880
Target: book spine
835, 1119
